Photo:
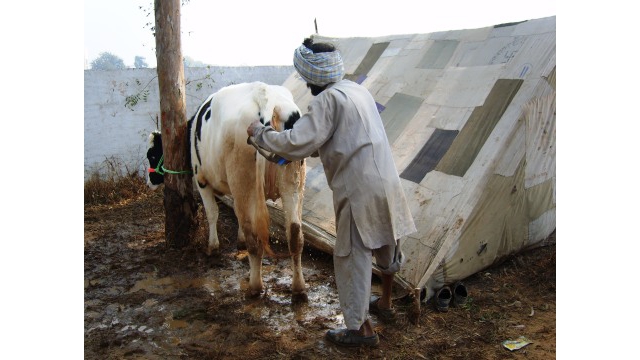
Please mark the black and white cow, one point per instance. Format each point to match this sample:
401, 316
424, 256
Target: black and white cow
224, 164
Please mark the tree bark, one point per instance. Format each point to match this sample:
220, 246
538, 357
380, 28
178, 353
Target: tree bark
179, 203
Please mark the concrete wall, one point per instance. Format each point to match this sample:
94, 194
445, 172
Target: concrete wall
116, 130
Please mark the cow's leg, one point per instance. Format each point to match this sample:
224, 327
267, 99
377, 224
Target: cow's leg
253, 229
212, 211
296, 243
242, 243
291, 196
253, 216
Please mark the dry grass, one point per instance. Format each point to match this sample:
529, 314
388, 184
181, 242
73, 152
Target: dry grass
114, 184
99, 191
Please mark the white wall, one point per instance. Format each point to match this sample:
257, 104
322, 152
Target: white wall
114, 132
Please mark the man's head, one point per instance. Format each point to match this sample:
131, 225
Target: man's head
318, 64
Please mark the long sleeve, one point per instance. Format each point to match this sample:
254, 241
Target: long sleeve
343, 124
309, 133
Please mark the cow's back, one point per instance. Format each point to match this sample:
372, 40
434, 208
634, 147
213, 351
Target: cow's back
219, 138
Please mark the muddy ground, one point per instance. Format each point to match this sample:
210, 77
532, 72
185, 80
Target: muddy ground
146, 301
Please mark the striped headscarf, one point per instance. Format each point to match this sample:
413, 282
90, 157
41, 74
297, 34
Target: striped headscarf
318, 69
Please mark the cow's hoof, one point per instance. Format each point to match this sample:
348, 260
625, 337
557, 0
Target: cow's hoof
253, 294
298, 298
213, 251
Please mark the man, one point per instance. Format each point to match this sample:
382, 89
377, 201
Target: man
344, 128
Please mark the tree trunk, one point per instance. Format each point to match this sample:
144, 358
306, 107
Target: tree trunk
179, 203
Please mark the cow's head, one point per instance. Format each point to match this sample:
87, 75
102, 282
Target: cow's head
154, 155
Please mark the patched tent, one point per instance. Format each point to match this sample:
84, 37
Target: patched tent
471, 118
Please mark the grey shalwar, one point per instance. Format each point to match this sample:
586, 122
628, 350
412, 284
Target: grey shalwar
343, 125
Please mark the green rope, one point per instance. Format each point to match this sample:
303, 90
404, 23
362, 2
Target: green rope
160, 169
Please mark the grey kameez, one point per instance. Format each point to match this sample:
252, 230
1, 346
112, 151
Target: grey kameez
343, 125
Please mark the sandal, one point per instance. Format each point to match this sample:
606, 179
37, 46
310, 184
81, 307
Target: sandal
387, 315
460, 294
443, 298
351, 338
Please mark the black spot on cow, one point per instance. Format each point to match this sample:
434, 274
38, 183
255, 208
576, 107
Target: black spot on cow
295, 116
195, 145
195, 139
199, 115
198, 128
188, 142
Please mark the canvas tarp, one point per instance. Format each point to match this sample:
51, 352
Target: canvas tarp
470, 115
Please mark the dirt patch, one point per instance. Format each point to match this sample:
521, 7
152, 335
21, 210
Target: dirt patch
146, 301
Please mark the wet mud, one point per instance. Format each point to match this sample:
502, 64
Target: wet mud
144, 300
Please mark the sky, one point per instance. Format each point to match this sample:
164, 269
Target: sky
258, 32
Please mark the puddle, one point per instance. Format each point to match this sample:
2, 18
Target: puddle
173, 324
274, 308
171, 284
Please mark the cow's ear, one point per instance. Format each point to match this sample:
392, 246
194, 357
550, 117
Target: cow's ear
155, 138
151, 138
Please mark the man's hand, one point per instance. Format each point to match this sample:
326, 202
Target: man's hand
253, 125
